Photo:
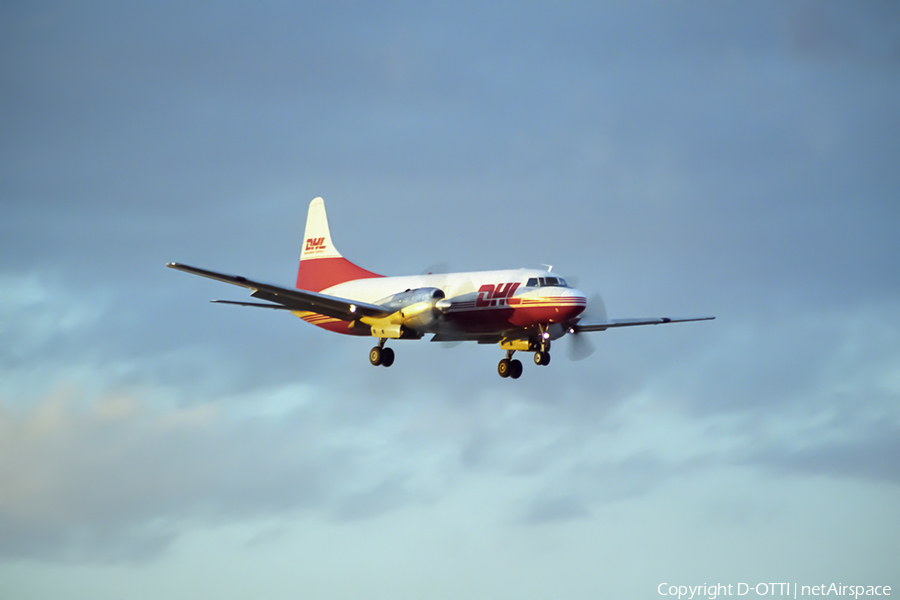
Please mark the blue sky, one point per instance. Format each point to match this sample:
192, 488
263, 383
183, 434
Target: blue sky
735, 159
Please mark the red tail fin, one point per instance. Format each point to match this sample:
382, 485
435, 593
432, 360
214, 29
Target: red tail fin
321, 265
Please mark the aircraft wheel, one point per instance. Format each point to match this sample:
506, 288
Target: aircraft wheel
542, 358
387, 357
503, 369
515, 368
375, 356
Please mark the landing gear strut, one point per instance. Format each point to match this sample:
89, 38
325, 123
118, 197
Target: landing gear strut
542, 356
380, 355
510, 367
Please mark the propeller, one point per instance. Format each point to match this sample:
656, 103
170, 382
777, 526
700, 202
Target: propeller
580, 347
437, 268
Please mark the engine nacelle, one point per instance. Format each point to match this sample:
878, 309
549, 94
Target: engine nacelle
414, 308
410, 297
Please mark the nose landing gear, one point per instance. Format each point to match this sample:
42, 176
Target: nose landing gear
542, 355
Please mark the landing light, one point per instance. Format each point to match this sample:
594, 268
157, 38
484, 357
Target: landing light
353, 308
545, 335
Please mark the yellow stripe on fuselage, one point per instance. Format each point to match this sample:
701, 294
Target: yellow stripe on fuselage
314, 318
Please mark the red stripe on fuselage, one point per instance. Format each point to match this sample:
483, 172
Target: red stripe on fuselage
343, 327
317, 274
332, 324
499, 319
479, 321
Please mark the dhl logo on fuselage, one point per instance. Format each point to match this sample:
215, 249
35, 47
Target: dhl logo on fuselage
315, 244
495, 295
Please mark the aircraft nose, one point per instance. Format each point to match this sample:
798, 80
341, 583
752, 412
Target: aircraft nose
576, 300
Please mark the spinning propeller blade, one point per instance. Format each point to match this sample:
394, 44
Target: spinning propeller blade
581, 347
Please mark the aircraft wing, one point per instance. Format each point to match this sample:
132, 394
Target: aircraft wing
291, 299
604, 325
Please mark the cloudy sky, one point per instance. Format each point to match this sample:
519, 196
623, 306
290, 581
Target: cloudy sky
735, 159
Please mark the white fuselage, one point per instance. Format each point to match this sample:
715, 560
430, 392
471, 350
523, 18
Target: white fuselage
475, 304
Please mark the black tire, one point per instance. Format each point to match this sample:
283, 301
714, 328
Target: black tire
515, 368
375, 356
387, 357
538, 358
503, 369
546, 360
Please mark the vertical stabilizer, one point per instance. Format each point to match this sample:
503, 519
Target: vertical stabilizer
321, 265
317, 237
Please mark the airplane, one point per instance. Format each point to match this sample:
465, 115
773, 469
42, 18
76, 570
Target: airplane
522, 310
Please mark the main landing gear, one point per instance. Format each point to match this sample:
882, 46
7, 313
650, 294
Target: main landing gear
510, 367
380, 355
383, 356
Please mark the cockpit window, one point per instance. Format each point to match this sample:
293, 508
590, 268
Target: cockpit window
546, 282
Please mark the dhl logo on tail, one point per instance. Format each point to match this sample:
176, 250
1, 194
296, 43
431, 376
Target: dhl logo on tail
315, 244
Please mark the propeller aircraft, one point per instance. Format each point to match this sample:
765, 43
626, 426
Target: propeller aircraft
522, 310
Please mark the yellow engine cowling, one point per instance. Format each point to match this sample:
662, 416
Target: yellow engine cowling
420, 316
416, 313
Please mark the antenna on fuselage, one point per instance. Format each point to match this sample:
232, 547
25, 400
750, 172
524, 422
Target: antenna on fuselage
549, 267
